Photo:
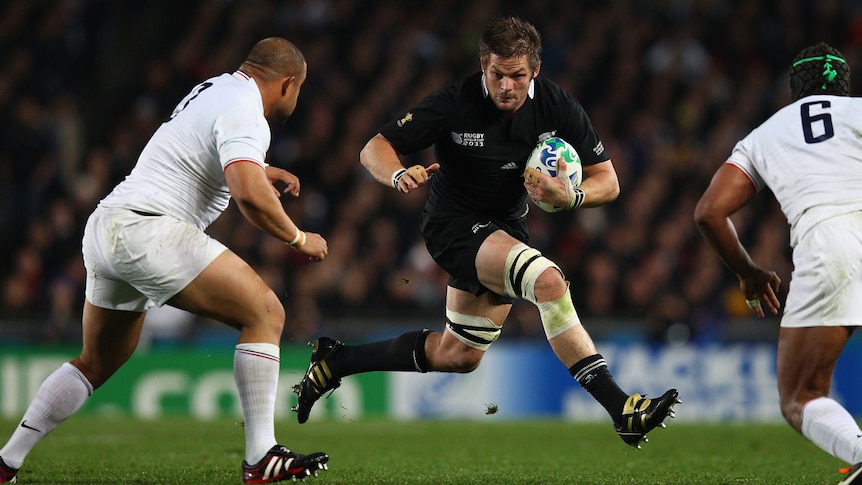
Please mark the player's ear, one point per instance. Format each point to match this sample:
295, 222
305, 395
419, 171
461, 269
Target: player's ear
285, 84
536, 70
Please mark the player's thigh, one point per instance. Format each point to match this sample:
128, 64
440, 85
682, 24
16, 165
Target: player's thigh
450, 352
134, 261
485, 305
109, 340
231, 292
826, 284
491, 260
806, 360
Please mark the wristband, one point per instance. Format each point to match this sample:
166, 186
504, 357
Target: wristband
577, 198
396, 176
298, 241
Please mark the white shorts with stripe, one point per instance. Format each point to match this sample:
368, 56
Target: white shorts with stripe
137, 261
826, 284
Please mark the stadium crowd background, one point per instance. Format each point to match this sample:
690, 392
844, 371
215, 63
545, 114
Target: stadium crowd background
670, 85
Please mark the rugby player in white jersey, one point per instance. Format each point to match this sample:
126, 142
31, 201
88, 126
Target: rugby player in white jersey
809, 154
145, 245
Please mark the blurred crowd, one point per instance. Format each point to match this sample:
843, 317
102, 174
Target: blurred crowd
670, 85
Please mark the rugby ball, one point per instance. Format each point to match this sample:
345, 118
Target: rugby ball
544, 159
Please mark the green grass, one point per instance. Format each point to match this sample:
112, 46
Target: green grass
87, 450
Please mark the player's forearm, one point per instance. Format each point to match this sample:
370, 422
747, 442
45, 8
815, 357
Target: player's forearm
380, 159
269, 217
721, 235
600, 185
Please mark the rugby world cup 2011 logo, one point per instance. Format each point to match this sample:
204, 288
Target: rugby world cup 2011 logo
468, 139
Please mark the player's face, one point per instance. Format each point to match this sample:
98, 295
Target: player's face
288, 101
508, 80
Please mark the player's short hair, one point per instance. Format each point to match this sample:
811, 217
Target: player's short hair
511, 37
819, 69
276, 57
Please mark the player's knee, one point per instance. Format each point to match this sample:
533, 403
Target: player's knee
550, 285
270, 315
531, 276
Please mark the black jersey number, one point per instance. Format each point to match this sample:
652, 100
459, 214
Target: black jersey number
809, 120
192, 95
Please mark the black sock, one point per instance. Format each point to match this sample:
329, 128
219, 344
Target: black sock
403, 353
593, 375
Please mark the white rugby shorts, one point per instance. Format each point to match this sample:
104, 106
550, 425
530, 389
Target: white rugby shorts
826, 284
135, 262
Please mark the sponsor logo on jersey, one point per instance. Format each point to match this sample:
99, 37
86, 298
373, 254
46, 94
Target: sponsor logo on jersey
599, 148
407, 118
510, 166
469, 139
479, 225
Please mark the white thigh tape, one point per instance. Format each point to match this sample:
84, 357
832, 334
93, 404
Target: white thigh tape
472, 331
523, 267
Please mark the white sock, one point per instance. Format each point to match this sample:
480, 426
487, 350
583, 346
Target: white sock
255, 369
828, 425
60, 395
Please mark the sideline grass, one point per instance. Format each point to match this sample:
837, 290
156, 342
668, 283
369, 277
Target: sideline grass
87, 450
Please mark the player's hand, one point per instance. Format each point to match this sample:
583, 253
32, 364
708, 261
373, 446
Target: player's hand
315, 247
415, 177
760, 289
552, 190
291, 181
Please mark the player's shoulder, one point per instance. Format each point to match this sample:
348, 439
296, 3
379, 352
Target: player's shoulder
234, 93
467, 87
812, 108
551, 95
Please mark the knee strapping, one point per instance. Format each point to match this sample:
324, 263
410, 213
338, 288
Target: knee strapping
472, 331
558, 315
523, 267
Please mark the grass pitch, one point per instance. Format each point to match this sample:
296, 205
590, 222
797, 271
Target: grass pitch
87, 450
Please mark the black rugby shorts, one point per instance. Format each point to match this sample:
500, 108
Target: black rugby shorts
454, 241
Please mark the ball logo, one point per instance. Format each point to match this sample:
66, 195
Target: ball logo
545, 158
553, 150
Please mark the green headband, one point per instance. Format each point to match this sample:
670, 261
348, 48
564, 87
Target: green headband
827, 57
829, 73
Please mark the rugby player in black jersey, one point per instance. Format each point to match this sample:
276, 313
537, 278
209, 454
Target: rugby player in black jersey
474, 224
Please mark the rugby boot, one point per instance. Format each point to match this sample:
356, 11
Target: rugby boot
318, 379
281, 464
641, 415
853, 475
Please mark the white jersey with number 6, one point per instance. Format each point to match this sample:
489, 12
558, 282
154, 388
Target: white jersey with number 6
810, 155
180, 172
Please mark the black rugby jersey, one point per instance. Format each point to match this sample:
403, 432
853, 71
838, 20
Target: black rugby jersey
481, 150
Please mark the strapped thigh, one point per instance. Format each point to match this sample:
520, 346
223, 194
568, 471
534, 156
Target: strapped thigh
476, 332
523, 267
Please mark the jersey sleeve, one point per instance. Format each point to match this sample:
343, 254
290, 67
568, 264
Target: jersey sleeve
421, 126
239, 136
743, 158
578, 130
